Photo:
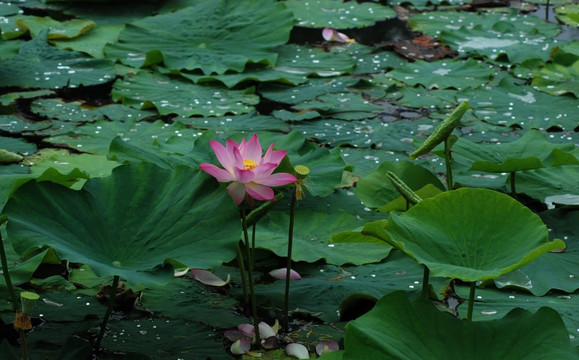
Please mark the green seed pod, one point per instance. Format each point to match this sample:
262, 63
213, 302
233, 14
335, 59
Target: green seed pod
403, 189
27, 300
442, 131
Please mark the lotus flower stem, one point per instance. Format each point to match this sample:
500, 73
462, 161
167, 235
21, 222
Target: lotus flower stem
447, 161
15, 302
241, 264
425, 279
250, 274
471, 300
289, 259
108, 313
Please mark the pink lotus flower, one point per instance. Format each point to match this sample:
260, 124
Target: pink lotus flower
248, 171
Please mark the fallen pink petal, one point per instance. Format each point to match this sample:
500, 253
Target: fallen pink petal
247, 330
266, 331
297, 350
250, 173
281, 274
208, 278
324, 347
240, 347
334, 35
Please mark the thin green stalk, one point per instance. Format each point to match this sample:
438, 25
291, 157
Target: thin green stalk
513, 191
250, 275
425, 279
108, 313
289, 258
241, 263
15, 302
471, 300
448, 159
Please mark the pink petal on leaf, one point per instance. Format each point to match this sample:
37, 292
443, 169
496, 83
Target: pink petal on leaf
325, 347
240, 347
247, 330
334, 35
281, 274
297, 350
208, 278
265, 330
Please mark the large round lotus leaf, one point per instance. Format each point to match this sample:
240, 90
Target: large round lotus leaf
130, 222
457, 74
337, 14
175, 96
558, 270
398, 329
530, 151
376, 190
39, 65
510, 104
468, 234
211, 35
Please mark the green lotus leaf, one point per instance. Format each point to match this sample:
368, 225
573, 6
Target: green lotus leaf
316, 220
293, 66
324, 287
541, 183
468, 234
557, 79
557, 270
56, 29
39, 65
519, 335
530, 151
221, 36
509, 104
337, 14
93, 42
568, 14
376, 190
173, 96
96, 137
518, 37
57, 109
128, 223
313, 88
458, 74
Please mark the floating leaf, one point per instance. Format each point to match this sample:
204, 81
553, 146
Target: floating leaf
41, 65
172, 96
337, 14
56, 29
221, 36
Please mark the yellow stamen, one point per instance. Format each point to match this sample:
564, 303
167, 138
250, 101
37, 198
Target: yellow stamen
249, 164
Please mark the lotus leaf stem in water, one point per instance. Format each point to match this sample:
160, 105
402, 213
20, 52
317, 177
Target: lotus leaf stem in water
250, 274
471, 300
289, 259
110, 307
